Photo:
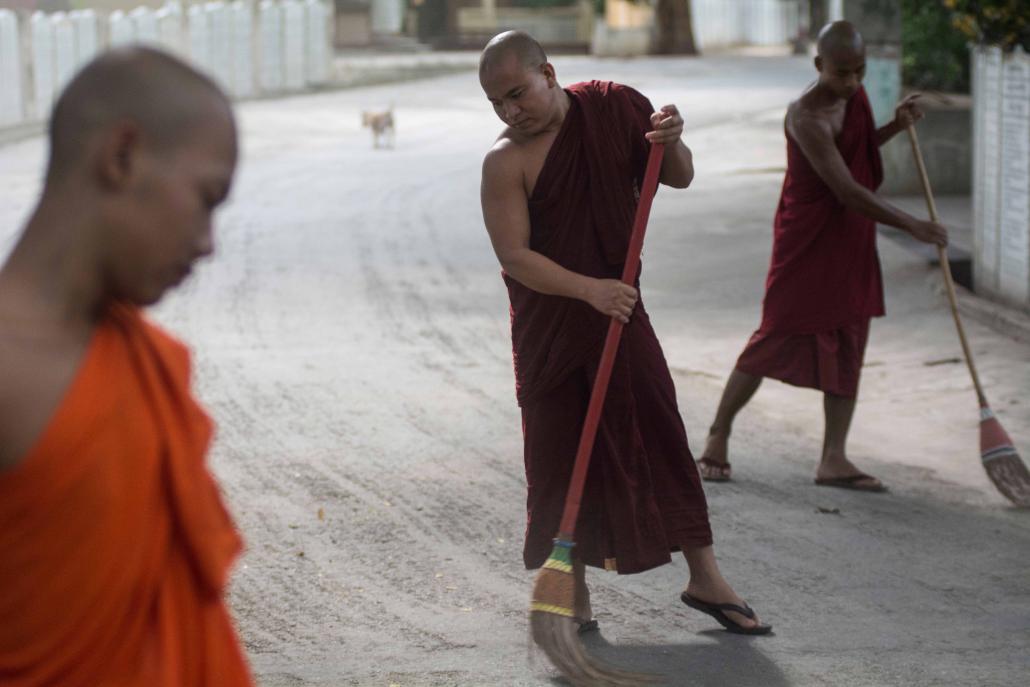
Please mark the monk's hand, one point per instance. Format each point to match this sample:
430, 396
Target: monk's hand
613, 298
667, 124
930, 232
908, 112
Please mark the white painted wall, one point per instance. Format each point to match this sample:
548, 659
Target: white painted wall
12, 93
719, 23
272, 47
1001, 175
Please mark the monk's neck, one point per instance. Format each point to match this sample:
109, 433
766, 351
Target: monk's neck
825, 98
561, 108
54, 269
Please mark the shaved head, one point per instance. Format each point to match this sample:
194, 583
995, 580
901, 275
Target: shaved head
164, 97
840, 40
519, 44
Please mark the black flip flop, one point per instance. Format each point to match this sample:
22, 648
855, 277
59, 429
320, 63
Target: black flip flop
586, 626
716, 465
851, 482
716, 611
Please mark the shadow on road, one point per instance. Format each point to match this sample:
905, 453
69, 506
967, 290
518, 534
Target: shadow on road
728, 659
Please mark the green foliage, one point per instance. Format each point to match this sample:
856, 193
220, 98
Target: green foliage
1004, 23
934, 53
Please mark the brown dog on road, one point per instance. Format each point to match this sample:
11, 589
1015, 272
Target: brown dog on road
382, 126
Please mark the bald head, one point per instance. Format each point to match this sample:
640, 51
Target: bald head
164, 97
840, 40
517, 44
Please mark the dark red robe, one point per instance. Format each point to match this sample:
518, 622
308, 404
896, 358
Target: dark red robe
643, 496
824, 280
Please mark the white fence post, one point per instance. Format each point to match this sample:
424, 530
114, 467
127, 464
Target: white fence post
144, 26
169, 21
87, 36
119, 29
317, 41
65, 57
12, 97
293, 44
198, 40
1001, 174
270, 19
241, 27
1014, 225
219, 47
42, 64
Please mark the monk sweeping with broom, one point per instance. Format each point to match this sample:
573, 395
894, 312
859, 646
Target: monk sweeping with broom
559, 192
824, 281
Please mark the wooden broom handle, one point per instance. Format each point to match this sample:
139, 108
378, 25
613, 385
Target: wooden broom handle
611, 346
945, 266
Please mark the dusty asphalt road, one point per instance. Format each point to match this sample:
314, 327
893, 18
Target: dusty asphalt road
352, 342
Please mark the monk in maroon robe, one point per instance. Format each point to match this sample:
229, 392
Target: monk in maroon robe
559, 194
824, 282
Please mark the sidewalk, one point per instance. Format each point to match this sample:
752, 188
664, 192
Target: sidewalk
956, 213
367, 67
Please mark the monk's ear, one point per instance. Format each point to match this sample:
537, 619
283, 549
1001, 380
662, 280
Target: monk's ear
118, 154
818, 63
547, 69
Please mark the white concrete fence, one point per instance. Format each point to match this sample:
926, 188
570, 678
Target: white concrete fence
1001, 175
719, 23
276, 46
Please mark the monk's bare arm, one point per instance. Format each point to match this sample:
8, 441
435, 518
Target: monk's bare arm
678, 163
815, 136
506, 214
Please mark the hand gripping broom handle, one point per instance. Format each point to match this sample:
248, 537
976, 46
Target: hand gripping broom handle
945, 267
611, 346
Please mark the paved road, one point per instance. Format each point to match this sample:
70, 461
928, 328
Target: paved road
352, 342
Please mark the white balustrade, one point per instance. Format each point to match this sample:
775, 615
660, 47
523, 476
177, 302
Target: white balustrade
270, 27
198, 43
42, 32
219, 44
241, 21
317, 37
293, 44
119, 29
12, 95
144, 26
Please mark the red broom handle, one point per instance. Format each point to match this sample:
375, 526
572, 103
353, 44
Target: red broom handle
611, 347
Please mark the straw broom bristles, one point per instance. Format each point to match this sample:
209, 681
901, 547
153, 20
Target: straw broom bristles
553, 627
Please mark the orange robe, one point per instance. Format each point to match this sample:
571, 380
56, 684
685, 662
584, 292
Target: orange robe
114, 543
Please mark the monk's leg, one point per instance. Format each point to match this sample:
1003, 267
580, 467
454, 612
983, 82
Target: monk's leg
740, 387
707, 583
581, 607
834, 463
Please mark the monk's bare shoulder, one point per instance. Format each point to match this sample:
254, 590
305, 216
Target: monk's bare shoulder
503, 164
807, 124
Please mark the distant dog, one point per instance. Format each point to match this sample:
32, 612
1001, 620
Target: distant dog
382, 126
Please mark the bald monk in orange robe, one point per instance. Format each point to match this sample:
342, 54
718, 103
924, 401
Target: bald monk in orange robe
115, 546
824, 282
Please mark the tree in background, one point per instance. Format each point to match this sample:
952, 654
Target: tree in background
1004, 23
934, 55
674, 32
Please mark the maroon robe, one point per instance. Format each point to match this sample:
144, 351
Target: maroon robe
824, 280
643, 496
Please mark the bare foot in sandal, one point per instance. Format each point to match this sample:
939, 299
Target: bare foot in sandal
713, 463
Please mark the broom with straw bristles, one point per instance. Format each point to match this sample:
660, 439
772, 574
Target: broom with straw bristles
552, 618
1000, 459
